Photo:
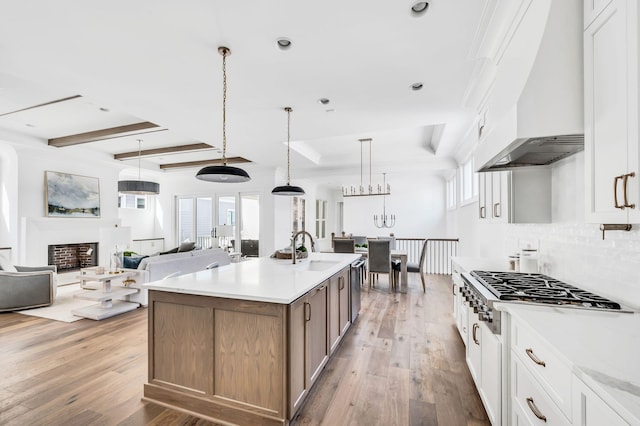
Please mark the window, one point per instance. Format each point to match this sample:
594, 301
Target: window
132, 201
321, 218
451, 193
213, 221
469, 182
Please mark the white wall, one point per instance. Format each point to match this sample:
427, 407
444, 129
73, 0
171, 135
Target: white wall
8, 199
569, 249
418, 202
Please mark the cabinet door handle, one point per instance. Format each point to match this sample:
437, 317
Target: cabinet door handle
341, 283
624, 189
534, 358
615, 192
473, 334
534, 410
495, 210
483, 212
307, 311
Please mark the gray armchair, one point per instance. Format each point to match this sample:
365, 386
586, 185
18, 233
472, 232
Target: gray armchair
30, 287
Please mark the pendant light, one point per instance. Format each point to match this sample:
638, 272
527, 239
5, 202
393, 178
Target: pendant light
138, 187
223, 173
288, 189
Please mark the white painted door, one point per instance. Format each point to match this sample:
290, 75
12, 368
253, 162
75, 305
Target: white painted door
491, 361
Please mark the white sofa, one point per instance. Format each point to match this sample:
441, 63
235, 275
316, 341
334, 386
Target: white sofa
155, 268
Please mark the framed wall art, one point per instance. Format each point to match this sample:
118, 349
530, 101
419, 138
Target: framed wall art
72, 195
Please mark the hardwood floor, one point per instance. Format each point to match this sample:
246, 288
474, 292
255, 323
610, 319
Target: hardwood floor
402, 363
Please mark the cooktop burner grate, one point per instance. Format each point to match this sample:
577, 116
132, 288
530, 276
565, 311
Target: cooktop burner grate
518, 286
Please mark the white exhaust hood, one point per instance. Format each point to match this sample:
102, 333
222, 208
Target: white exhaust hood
547, 124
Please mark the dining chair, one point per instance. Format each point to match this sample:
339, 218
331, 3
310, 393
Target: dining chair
392, 241
344, 246
416, 267
379, 257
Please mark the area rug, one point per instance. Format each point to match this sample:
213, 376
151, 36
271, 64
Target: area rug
62, 306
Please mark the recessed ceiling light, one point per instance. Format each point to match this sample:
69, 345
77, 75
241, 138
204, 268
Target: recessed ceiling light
283, 43
417, 86
419, 8
323, 101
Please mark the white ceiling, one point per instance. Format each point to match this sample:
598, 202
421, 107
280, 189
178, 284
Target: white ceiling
157, 61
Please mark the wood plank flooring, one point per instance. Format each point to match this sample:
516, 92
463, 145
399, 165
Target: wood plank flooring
402, 363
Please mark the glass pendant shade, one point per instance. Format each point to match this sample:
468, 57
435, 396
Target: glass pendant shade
223, 173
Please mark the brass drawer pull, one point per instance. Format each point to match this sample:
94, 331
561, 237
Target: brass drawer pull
474, 335
624, 189
534, 410
615, 192
534, 358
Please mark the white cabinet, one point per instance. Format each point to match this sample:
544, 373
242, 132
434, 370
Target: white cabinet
530, 403
611, 111
493, 196
515, 196
590, 410
549, 370
484, 359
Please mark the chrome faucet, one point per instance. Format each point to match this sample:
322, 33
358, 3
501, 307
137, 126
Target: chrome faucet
293, 244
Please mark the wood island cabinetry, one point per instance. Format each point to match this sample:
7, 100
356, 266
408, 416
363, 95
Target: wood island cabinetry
242, 361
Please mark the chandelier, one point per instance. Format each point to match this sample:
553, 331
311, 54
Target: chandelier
384, 221
351, 191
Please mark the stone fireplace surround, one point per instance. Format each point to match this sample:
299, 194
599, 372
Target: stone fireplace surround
38, 233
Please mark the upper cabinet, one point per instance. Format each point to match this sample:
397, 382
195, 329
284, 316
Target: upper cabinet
611, 111
516, 196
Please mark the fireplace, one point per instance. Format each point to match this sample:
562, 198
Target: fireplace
69, 257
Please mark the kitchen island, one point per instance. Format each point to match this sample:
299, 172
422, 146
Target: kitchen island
244, 343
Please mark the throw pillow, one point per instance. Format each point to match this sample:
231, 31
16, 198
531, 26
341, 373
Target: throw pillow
6, 265
173, 250
186, 246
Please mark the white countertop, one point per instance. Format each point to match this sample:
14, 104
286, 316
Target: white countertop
603, 347
261, 279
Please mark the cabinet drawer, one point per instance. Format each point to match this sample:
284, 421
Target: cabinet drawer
544, 364
531, 405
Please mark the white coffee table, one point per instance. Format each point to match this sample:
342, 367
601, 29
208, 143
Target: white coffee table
107, 295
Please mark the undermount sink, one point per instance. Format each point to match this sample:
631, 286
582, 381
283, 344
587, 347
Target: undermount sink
315, 265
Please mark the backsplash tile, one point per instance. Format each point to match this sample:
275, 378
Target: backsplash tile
576, 253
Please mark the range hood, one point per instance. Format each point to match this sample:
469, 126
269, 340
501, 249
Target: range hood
547, 124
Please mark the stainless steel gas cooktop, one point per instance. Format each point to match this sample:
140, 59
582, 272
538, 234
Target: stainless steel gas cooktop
539, 288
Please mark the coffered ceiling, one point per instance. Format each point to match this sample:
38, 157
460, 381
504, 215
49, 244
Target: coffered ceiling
114, 72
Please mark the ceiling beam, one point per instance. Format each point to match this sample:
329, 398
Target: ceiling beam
41, 105
98, 135
212, 162
161, 151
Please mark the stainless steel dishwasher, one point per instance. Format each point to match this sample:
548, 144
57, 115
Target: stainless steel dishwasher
357, 268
